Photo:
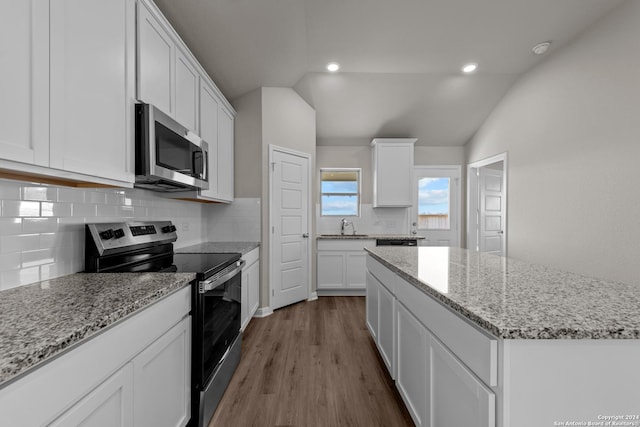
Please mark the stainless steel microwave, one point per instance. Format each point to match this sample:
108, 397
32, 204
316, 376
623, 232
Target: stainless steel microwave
169, 157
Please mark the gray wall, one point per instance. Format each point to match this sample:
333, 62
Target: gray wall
571, 128
277, 116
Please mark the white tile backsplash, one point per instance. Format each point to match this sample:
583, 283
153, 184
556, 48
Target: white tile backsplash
236, 222
42, 226
370, 221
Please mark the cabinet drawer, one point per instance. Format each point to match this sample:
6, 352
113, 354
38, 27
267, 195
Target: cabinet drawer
344, 245
382, 273
476, 348
251, 257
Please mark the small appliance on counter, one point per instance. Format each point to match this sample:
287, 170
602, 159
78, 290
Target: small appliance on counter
215, 304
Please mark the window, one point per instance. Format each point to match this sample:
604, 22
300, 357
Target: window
433, 203
339, 192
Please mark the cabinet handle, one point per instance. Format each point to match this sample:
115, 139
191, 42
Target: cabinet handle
305, 235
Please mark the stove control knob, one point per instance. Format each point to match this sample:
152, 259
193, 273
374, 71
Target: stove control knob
106, 234
118, 233
168, 228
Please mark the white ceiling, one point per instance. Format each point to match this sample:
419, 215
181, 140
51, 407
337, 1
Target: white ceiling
400, 59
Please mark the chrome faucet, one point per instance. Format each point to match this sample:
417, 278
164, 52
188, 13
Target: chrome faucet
344, 223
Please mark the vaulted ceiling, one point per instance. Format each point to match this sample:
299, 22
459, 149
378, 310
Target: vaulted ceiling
400, 59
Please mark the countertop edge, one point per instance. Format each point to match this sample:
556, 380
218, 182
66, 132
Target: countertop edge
510, 333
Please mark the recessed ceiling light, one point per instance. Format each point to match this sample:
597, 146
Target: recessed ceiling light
333, 67
541, 48
469, 68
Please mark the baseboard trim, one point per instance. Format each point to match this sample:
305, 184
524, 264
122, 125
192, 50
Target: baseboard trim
263, 312
313, 296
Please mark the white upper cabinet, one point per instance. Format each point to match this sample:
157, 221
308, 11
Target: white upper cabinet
92, 48
225, 154
67, 89
24, 60
156, 62
392, 171
209, 132
186, 92
171, 78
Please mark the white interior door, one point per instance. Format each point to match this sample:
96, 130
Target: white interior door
487, 205
435, 213
491, 236
289, 222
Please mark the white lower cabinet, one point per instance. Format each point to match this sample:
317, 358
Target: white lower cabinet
413, 365
437, 388
386, 328
250, 286
372, 305
342, 265
109, 405
458, 397
136, 373
162, 373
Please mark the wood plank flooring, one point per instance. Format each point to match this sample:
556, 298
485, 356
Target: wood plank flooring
311, 364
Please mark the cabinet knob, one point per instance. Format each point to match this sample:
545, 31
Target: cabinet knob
305, 235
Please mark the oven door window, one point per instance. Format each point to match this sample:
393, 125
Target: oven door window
221, 322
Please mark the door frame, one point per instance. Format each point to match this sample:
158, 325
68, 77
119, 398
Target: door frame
472, 194
458, 216
272, 149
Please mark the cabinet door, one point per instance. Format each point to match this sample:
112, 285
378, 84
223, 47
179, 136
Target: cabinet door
413, 372
156, 66
393, 167
331, 270
24, 60
109, 405
458, 398
162, 378
386, 328
225, 154
244, 301
372, 305
92, 48
253, 280
356, 269
209, 132
186, 92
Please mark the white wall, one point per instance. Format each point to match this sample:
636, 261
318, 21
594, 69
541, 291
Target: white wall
42, 226
235, 222
380, 220
571, 128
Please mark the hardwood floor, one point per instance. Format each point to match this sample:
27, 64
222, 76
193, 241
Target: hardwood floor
311, 364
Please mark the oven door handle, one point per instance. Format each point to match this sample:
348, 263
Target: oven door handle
207, 285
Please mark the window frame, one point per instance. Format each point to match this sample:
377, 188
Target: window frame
358, 195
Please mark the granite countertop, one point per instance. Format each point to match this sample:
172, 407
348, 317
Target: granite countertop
42, 320
513, 299
368, 237
219, 247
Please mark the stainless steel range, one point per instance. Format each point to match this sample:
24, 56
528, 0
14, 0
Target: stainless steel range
215, 304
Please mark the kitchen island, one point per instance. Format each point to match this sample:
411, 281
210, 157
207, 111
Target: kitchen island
475, 339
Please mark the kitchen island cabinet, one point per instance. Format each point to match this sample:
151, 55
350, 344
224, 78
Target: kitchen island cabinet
491, 341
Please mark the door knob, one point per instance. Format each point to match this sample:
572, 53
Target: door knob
305, 235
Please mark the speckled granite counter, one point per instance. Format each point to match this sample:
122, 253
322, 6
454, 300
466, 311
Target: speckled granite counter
368, 237
514, 299
42, 320
219, 247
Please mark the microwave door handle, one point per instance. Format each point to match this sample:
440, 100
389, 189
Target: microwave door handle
205, 166
194, 157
